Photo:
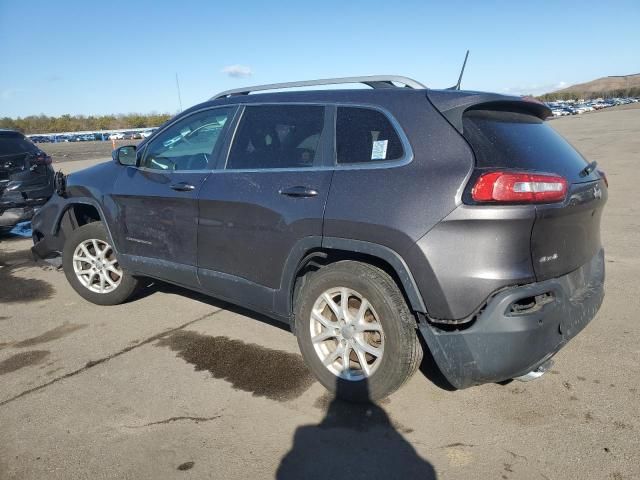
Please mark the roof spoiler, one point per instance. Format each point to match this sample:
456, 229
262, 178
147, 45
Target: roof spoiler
452, 104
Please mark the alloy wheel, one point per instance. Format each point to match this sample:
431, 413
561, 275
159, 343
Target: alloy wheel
96, 266
347, 334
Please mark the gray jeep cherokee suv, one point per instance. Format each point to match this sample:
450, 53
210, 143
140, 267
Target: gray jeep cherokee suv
361, 218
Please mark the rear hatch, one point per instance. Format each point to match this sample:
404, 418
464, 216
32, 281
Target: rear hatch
510, 134
15, 151
22, 161
565, 235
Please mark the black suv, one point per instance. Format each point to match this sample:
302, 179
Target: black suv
359, 217
26, 178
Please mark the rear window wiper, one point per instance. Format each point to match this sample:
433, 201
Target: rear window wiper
588, 169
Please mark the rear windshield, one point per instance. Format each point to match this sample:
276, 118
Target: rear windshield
502, 139
10, 144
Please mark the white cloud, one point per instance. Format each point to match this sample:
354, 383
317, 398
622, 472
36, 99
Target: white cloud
535, 88
237, 71
9, 93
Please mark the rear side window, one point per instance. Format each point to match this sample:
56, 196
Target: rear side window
14, 143
277, 136
518, 140
365, 135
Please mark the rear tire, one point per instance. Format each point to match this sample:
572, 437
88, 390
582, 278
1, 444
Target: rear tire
377, 330
92, 269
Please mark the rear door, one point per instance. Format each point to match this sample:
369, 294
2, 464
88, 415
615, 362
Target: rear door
268, 196
157, 201
565, 235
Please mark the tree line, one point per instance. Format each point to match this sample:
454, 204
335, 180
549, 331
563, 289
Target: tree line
78, 123
576, 95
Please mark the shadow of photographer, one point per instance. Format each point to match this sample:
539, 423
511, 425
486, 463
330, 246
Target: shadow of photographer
353, 440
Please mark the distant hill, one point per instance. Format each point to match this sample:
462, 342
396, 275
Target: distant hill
613, 86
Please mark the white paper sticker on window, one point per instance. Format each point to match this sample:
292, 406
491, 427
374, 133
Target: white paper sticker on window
379, 150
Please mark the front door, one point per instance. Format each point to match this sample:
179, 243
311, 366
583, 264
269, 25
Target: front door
157, 201
269, 196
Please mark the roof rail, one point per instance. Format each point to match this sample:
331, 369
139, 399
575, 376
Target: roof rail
373, 81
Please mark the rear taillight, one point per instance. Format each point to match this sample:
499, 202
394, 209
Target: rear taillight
519, 187
604, 177
42, 159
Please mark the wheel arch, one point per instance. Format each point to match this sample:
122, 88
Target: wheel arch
77, 212
333, 249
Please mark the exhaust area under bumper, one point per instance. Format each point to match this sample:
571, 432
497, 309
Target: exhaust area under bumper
537, 373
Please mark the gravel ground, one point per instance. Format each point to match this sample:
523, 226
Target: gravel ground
76, 151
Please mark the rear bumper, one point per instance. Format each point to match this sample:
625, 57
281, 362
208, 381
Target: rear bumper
19, 199
501, 344
12, 216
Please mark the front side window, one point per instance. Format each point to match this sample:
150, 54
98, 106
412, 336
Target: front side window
365, 135
187, 144
277, 136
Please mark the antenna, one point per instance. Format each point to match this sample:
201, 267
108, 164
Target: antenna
180, 98
464, 64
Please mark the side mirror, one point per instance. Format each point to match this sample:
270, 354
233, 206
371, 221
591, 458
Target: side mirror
125, 156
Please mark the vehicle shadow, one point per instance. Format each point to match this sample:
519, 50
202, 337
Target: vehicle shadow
7, 237
16, 288
352, 441
151, 287
428, 367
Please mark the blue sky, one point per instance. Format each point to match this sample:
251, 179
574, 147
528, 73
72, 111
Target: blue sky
84, 57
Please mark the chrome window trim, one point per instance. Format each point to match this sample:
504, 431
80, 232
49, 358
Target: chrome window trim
373, 165
158, 170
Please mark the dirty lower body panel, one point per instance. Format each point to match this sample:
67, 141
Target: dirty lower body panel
520, 328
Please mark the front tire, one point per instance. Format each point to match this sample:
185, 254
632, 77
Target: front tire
355, 331
91, 267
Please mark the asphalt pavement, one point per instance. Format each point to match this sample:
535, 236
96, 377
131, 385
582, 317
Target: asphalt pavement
179, 385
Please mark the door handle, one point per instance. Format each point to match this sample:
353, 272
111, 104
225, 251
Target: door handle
183, 187
298, 192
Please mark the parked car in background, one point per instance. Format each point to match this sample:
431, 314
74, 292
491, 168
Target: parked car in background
39, 139
26, 178
116, 136
360, 218
575, 107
